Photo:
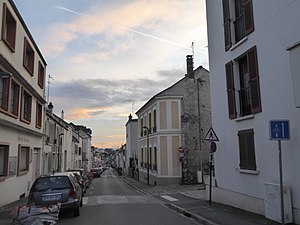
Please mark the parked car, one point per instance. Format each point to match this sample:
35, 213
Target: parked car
96, 172
81, 177
57, 188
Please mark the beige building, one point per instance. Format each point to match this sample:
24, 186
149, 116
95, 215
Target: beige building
164, 124
22, 82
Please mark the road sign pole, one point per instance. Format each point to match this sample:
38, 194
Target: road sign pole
210, 177
281, 183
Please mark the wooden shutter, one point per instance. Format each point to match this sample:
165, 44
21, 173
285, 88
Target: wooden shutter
242, 149
5, 93
247, 149
226, 20
254, 80
249, 24
230, 90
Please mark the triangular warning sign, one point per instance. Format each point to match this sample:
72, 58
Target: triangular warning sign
211, 135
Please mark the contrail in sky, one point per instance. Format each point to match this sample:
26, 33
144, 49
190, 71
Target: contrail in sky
134, 31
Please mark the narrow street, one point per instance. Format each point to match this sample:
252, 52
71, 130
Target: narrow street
111, 201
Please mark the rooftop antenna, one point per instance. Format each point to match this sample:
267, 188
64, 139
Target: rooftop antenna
49, 83
193, 52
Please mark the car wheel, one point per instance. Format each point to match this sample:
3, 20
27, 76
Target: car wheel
76, 212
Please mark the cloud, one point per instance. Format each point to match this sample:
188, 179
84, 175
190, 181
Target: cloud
91, 98
156, 20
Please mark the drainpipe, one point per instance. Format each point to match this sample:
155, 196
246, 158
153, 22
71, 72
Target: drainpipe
199, 80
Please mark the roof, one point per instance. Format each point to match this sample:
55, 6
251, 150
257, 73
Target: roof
165, 90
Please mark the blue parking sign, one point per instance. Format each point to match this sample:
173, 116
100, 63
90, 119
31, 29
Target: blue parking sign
279, 130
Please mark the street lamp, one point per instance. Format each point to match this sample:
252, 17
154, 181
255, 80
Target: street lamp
5, 75
58, 151
148, 131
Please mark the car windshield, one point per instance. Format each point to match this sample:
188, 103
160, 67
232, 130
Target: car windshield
53, 183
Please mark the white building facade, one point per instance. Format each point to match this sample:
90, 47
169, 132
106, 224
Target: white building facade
254, 58
131, 152
22, 82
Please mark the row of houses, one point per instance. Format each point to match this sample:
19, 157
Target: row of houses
165, 144
33, 140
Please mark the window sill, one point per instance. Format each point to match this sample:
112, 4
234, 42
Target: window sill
239, 43
252, 172
251, 116
23, 172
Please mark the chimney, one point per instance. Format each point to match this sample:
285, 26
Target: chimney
50, 107
62, 115
190, 66
130, 117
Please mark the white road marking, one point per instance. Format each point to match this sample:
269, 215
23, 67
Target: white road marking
169, 198
115, 199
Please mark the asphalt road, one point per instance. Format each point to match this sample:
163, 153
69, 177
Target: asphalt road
111, 201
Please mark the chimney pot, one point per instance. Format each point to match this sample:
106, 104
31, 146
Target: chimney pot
190, 66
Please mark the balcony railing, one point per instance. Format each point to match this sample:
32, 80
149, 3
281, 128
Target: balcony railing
245, 101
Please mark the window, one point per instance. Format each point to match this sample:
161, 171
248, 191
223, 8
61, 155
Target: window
142, 155
41, 75
28, 57
154, 121
155, 158
9, 26
39, 115
249, 88
243, 20
3, 160
26, 106
150, 155
247, 149
150, 122
23, 156
142, 125
14, 98
4, 93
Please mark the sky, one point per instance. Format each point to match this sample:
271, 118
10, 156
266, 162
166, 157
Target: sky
107, 58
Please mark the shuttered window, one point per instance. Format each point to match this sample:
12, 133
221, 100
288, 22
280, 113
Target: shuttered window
41, 75
9, 28
4, 93
39, 115
14, 98
26, 106
242, 19
249, 24
247, 149
226, 24
249, 93
230, 90
254, 80
28, 57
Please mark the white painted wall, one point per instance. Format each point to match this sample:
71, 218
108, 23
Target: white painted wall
275, 24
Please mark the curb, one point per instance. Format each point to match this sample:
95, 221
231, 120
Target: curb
176, 208
186, 213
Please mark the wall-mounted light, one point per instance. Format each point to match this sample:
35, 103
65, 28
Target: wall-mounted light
5, 75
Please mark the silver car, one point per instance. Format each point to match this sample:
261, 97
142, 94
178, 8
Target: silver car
57, 188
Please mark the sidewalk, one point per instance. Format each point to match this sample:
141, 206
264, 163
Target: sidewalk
5, 218
198, 208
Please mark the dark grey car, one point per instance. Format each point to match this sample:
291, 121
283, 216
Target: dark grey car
57, 188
